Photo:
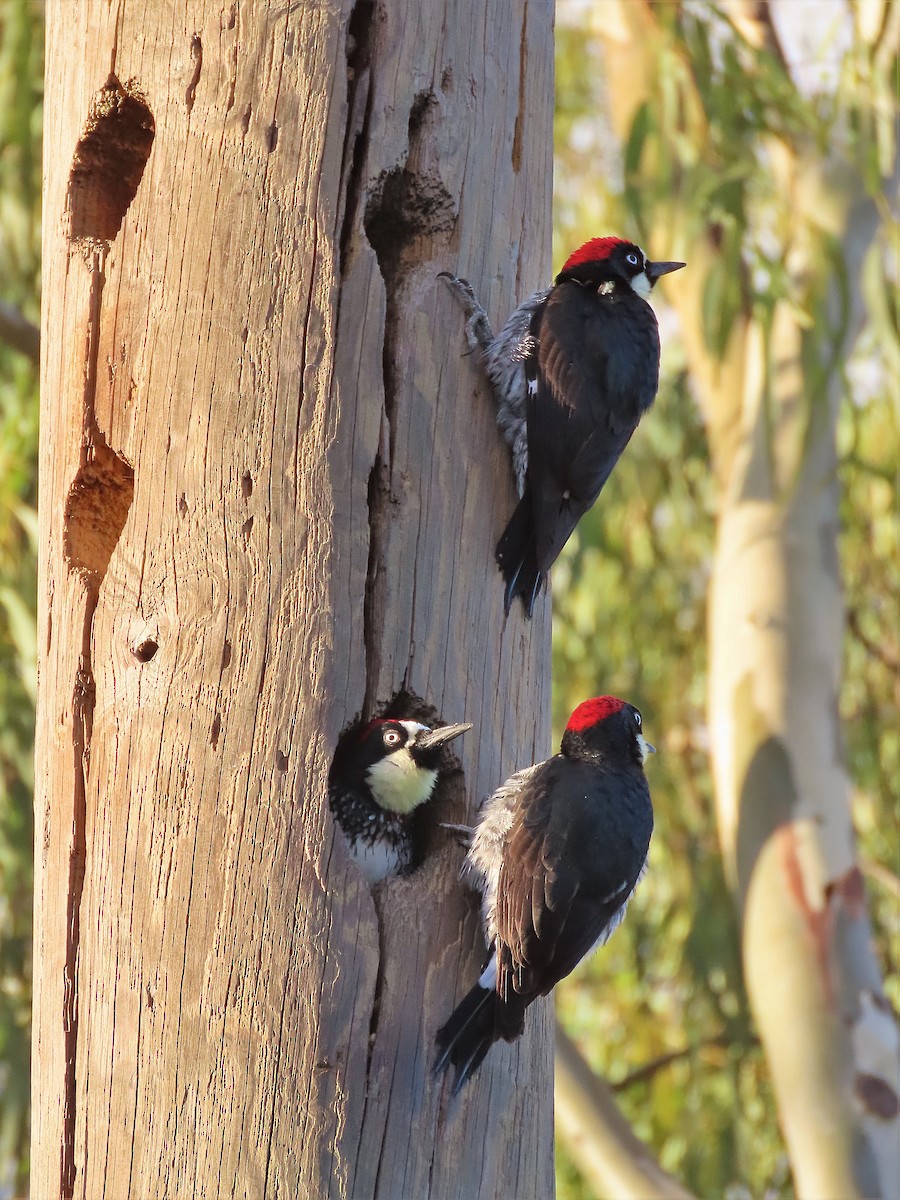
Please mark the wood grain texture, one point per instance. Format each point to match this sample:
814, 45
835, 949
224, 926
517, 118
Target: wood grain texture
270, 489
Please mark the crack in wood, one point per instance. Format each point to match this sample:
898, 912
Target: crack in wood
360, 37
378, 500
190, 93
95, 512
408, 206
83, 699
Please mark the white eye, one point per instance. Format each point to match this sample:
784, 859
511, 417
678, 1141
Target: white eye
392, 737
637, 717
632, 259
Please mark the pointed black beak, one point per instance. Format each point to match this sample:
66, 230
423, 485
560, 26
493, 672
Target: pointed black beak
433, 739
654, 269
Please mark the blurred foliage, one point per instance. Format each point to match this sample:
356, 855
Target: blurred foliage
661, 1012
21, 83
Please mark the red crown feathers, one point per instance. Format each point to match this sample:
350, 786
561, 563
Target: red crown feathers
592, 251
592, 712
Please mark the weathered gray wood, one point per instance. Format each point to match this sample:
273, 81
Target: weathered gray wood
270, 491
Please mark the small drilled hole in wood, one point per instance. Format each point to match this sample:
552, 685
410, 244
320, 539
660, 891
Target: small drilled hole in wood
281, 760
145, 650
247, 485
109, 161
215, 731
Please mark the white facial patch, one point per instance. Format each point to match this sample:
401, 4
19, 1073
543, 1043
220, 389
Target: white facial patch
642, 285
412, 728
398, 784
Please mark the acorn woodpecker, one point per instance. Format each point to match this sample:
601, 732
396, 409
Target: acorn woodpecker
556, 854
573, 371
379, 777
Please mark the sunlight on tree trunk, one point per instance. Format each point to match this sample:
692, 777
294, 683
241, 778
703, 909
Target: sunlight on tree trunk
269, 497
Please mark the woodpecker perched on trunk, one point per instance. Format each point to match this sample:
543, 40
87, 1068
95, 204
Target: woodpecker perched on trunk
380, 777
556, 855
573, 371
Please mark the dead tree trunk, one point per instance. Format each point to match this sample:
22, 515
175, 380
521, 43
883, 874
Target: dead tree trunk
269, 500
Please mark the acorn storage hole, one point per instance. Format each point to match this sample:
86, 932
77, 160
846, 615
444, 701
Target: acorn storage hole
96, 510
109, 161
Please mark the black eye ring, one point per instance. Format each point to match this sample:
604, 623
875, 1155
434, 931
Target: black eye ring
632, 259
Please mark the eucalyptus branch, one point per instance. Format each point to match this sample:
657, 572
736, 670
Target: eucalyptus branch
17, 331
881, 874
651, 1068
876, 649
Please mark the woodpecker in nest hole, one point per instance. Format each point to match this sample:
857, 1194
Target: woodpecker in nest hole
380, 777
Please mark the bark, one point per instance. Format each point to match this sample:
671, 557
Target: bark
270, 491
775, 637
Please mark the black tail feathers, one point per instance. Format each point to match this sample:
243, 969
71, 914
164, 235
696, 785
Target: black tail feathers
517, 558
468, 1035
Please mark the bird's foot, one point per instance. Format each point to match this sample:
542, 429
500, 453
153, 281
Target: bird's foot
479, 334
465, 833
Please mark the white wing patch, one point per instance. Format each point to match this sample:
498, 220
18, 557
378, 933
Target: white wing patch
488, 977
619, 915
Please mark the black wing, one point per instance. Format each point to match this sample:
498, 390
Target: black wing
568, 868
593, 373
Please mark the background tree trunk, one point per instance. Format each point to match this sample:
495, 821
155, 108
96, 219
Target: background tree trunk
270, 496
783, 793
770, 400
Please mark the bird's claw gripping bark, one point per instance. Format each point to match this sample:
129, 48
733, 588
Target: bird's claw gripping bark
463, 833
479, 334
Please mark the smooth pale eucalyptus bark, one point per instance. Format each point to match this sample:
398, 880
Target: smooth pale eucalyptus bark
270, 489
782, 789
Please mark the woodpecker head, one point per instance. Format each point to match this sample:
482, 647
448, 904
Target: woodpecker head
606, 728
396, 761
608, 263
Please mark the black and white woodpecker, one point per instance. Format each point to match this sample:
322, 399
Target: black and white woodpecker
556, 854
573, 371
380, 777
